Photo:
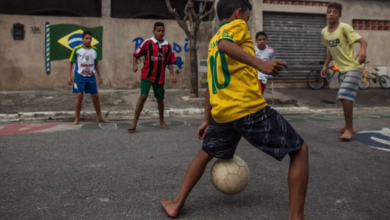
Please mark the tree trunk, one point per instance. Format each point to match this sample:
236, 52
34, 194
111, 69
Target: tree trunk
194, 92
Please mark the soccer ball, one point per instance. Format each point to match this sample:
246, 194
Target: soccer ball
230, 177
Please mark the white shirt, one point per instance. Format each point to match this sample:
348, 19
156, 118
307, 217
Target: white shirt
85, 59
267, 54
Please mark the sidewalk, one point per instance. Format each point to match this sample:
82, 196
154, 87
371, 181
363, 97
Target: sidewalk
120, 104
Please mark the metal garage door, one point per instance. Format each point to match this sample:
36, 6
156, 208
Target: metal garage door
296, 39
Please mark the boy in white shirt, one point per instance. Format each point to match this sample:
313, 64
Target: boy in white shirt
263, 52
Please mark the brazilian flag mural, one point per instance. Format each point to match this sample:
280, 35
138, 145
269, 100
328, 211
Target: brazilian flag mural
60, 39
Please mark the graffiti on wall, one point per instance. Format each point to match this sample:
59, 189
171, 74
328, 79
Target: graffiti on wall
175, 47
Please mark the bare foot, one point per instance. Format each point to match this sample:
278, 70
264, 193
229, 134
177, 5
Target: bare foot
131, 129
343, 130
163, 125
76, 122
172, 209
347, 135
103, 120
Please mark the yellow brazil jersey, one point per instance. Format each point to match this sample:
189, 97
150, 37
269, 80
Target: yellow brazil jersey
340, 44
234, 87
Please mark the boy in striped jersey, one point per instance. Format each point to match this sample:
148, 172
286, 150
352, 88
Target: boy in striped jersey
158, 55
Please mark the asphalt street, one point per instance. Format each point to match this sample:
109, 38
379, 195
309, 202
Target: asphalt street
102, 172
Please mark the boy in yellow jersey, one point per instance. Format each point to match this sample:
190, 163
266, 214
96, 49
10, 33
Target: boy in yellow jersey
234, 107
339, 38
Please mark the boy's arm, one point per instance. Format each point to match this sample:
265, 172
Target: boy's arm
171, 69
326, 64
207, 107
271, 67
98, 72
135, 67
139, 52
70, 68
362, 53
97, 69
353, 37
171, 73
328, 59
72, 59
203, 128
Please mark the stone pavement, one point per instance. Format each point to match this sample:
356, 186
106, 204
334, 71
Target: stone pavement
120, 104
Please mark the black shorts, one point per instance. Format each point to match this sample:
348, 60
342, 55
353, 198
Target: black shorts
266, 130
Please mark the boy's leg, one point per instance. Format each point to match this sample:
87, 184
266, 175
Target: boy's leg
160, 103
96, 104
348, 130
193, 175
145, 88
298, 178
91, 88
159, 93
347, 94
77, 108
268, 131
221, 142
79, 89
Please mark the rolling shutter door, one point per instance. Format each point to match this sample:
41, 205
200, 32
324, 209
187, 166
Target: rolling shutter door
296, 39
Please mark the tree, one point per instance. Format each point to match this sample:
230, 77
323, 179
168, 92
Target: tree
190, 24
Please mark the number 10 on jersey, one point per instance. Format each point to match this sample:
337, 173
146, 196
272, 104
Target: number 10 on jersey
214, 73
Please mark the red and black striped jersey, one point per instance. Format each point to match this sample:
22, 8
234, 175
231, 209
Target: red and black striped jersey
157, 56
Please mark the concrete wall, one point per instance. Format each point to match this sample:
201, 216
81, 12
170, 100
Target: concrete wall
22, 63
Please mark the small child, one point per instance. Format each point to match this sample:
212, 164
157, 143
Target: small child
235, 108
263, 52
86, 59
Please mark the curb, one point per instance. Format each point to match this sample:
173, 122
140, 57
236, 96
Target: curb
172, 113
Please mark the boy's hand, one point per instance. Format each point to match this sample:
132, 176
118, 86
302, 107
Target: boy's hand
100, 79
70, 81
173, 78
202, 130
362, 56
323, 72
271, 67
135, 68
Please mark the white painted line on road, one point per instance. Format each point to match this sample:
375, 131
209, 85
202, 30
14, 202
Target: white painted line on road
384, 131
378, 148
380, 140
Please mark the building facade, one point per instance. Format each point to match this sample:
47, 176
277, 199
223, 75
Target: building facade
293, 28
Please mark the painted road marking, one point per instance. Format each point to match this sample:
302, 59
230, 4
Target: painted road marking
157, 124
376, 139
28, 128
24, 129
91, 126
122, 125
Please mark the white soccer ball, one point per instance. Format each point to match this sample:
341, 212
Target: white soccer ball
230, 176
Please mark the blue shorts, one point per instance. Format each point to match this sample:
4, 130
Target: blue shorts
266, 130
83, 84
